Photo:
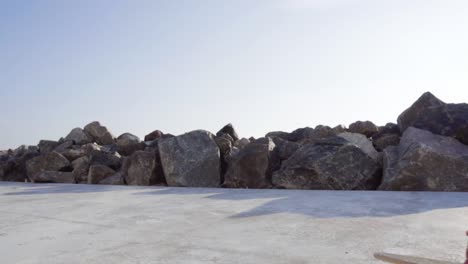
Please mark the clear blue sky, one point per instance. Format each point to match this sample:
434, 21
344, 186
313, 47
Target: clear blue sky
266, 65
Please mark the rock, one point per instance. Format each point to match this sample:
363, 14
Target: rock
99, 133
141, 169
191, 160
154, 135
252, 166
285, 148
228, 129
97, 173
388, 135
339, 129
64, 146
73, 154
279, 134
367, 128
301, 134
224, 143
88, 148
46, 146
431, 114
112, 160
13, 167
52, 161
116, 179
417, 110
241, 143
424, 161
80, 169
79, 137
344, 162
128, 143
54, 176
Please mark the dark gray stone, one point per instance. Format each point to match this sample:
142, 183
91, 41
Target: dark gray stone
99, 133
54, 177
46, 146
51, 161
252, 166
192, 160
228, 129
79, 136
80, 169
425, 162
128, 143
344, 162
141, 169
112, 160
97, 173
367, 128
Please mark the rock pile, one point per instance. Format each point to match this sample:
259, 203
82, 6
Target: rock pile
427, 150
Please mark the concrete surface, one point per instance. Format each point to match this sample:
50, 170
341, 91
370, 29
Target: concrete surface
61, 223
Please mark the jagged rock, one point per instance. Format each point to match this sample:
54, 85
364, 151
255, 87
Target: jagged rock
112, 160
99, 133
141, 169
285, 148
339, 129
128, 143
116, 179
344, 162
367, 128
431, 114
388, 135
252, 166
192, 160
88, 148
54, 176
46, 146
80, 169
97, 173
279, 134
241, 143
64, 146
301, 134
225, 144
154, 135
52, 161
425, 162
73, 153
13, 167
79, 136
228, 129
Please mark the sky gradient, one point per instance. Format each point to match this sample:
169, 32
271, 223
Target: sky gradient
264, 66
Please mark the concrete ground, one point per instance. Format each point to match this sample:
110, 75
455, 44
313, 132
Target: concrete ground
60, 223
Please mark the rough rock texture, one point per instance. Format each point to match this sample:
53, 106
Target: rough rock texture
301, 134
52, 161
367, 128
425, 162
54, 176
140, 169
46, 146
98, 173
116, 179
228, 129
431, 114
191, 160
128, 143
154, 135
13, 164
79, 136
80, 169
112, 160
388, 135
252, 166
285, 148
343, 162
225, 145
99, 133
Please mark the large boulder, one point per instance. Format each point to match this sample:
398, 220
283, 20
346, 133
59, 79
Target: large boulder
99, 133
80, 169
154, 135
52, 161
141, 169
388, 135
128, 143
97, 173
228, 129
300, 134
431, 114
344, 162
79, 136
54, 176
367, 128
109, 159
46, 146
191, 160
285, 148
13, 164
252, 166
225, 145
425, 162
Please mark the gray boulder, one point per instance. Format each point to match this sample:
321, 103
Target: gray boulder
285, 148
388, 135
128, 143
344, 162
367, 128
425, 162
228, 129
141, 169
99, 133
431, 114
97, 173
46, 146
79, 136
13, 165
116, 179
109, 159
154, 135
80, 169
52, 161
191, 160
252, 166
54, 177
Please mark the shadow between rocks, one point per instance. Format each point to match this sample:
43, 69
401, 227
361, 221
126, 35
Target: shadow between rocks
329, 204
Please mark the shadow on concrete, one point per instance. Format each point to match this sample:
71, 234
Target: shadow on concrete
329, 204
51, 188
